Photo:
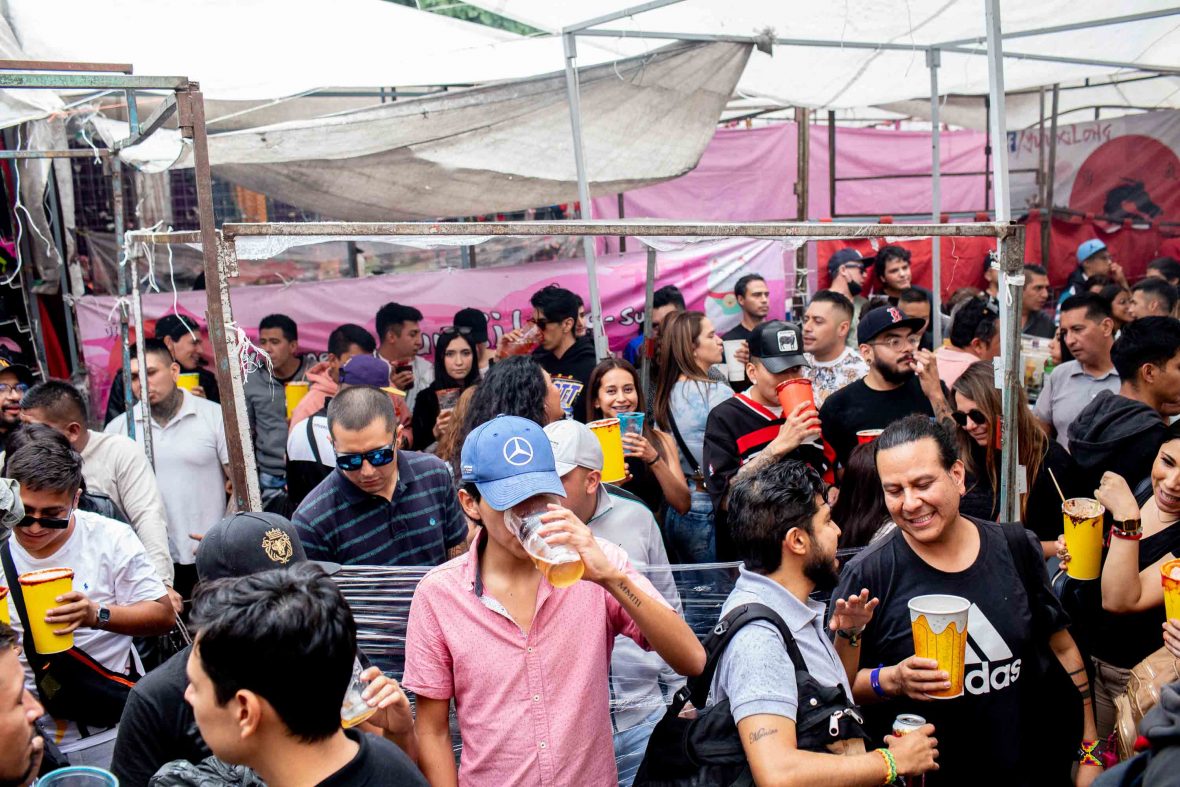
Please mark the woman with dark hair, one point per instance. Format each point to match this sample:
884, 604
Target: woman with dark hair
1119, 298
860, 509
516, 385
689, 347
653, 461
977, 410
455, 369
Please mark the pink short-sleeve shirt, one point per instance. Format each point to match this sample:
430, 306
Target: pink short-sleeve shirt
533, 708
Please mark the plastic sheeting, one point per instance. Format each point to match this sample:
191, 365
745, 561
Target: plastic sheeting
495, 148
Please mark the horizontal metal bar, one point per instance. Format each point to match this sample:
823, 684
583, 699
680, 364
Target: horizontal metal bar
926, 175
71, 153
1089, 23
611, 228
151, 236
1080, 61
64, 65
13, 80
153, 122
622, 13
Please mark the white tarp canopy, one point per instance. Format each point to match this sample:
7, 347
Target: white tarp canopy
836, 78
499, 147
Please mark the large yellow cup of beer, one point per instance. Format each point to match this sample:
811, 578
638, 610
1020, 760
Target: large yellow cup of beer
188, 380
4, 606
295, 393
939, 623
1083, 536
610, 437
41, 589
1171, 580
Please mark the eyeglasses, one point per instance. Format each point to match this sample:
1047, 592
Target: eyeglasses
897, 343
52, 523
462, 330
974, 414
20, 388
378, 457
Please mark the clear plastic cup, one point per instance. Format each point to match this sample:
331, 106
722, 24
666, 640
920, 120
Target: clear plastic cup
560, 565
355, 710
78, 776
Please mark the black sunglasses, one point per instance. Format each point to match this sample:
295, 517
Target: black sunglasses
378, 457
462, 330
974, 414
51, 523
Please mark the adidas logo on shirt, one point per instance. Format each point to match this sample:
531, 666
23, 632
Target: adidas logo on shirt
995, 669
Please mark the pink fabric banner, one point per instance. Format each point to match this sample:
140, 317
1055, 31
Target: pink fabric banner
749, 175
705, 273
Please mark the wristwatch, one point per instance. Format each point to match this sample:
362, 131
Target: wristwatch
104, 618
1131, 529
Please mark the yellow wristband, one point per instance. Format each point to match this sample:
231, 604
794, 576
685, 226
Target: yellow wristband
890, 766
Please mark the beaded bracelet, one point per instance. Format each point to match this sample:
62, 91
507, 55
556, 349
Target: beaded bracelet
890, 766
1088, 754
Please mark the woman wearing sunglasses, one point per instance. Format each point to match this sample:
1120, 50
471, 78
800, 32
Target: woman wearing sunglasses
455, 370
977, 411
653, 461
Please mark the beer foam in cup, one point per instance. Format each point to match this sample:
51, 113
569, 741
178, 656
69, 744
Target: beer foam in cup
939, 625
45, 575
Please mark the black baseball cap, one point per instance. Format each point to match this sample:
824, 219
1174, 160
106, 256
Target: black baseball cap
473, 319
779, 345
249, 542
842, 258
23, 373
881, 319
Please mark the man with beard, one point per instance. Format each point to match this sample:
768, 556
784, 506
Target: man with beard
1011, 724
20, 752
784, 533
902, 380
846, 272
15, 380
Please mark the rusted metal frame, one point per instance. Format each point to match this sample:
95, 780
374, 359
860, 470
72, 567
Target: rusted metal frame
140, 357
140, 131
118, 209
577, 228
65, 65
28, 80
1047, 224
36, 154
219, 314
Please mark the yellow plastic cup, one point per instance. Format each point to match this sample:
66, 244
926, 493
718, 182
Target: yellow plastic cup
939, 624
1170, 572
295, 393
188, 380
1083, 536
610, 437
4, 606
41, 589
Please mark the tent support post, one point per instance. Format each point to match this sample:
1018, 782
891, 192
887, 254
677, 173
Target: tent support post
585, 212
117, 208
649, 337
831, 164
1041, 148
1011, 277
933, 61
55, 224
799, 291
137, 311
219, 317
1047, 223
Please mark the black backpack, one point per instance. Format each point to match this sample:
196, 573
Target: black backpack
706, 750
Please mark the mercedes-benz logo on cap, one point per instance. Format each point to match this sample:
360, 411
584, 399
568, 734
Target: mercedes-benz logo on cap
518, 452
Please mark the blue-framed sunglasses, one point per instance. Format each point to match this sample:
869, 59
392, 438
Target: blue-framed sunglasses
378, 457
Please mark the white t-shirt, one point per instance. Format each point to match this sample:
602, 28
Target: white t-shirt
110, 567
190, 452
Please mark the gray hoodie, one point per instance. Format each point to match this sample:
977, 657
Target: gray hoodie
266, 404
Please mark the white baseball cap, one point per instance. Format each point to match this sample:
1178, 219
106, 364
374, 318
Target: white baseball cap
574, 445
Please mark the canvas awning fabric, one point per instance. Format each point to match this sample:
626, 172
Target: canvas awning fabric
499, 147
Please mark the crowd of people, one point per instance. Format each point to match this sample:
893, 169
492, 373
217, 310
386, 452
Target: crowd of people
481, 468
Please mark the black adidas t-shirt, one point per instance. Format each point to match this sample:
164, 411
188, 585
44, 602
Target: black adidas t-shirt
980, 735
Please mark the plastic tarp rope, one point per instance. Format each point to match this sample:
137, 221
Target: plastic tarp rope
499, 147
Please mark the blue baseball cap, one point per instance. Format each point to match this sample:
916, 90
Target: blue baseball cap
509, 459
1089, 249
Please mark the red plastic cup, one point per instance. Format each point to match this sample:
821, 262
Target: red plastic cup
792, 393
868, 435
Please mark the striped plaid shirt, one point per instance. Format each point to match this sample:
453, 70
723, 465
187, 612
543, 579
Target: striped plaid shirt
339, 522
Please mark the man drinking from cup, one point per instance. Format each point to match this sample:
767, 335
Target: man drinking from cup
1030, 733
753, 428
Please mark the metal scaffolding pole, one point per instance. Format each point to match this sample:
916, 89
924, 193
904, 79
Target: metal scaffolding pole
797, 302
140, 358
119, 211
1011, 279
649, 337
1047, 222
575, 102
933, 61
